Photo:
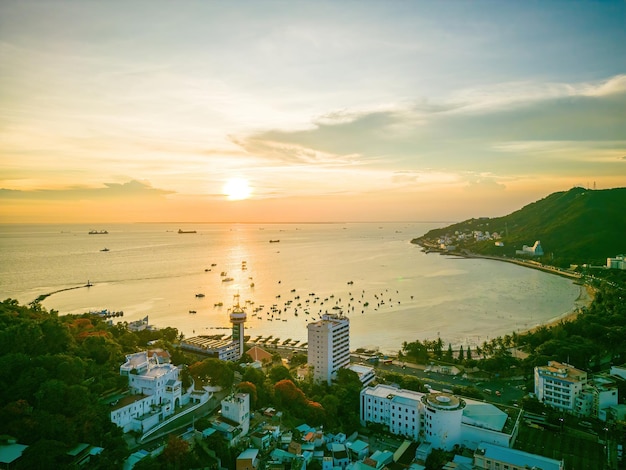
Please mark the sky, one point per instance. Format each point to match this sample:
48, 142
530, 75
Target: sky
314, 111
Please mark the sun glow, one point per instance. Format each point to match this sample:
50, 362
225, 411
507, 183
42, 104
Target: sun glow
237, 188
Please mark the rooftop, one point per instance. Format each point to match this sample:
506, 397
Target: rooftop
484, 415
517, 457
562, 372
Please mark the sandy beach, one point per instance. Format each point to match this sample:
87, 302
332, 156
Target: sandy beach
585, 298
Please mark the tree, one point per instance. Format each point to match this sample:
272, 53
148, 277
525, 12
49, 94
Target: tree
468, 354
449, 354
298, 359
213, 371
289, 394
176, 451
438, 348
416, 350
250, 389
278, 373
461, 354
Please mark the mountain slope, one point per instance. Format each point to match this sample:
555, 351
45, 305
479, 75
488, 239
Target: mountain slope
575, 226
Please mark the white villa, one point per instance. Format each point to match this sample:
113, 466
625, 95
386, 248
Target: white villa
154, 394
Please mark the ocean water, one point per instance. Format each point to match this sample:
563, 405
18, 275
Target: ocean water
150, 269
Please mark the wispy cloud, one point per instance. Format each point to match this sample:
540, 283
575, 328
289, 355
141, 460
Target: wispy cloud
130, 189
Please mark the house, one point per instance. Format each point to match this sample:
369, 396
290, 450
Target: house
154, 392
234, 420
358, 449
260, 355
619, 262
10, 452
261, 439
248, 460
340, 455
366, 374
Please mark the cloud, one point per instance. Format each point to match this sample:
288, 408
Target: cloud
130, 189
461, 135
484, 184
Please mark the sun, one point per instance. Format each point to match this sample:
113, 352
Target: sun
237, 188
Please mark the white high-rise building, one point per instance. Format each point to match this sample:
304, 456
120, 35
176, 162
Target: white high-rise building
329, 346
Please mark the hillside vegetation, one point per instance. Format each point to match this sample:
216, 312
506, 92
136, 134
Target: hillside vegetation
576, 226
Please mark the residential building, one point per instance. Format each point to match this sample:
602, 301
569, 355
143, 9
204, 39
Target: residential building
558, 385
619, 262
492, 457
236, 408
569, 389
441, 419
619, 371
248, 460
154, 392
366, 374
328, 346
599, 394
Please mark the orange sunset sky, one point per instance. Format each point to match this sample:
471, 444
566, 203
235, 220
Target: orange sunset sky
273, 111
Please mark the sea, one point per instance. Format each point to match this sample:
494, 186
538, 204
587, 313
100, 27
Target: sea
285, 275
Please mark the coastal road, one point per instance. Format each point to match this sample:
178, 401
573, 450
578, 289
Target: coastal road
511, 390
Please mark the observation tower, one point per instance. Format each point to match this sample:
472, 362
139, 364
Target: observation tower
238, 318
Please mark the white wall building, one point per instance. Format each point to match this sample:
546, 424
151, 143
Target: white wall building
328, 346
535, 250
565, 387
154, 392
236, 408
441, 419
619, 371
366, 374
490, 457
558, 385
443, 415
619, 262
225, 350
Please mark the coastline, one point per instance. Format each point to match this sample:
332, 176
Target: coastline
584, 299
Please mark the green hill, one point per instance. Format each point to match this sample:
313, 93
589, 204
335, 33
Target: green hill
576, 226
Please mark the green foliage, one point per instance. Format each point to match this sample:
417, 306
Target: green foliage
576, 226
278, 373
437, 459
52, 370
415, 351
596, 337
403, 381
249, 388
298, 359
213, 372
